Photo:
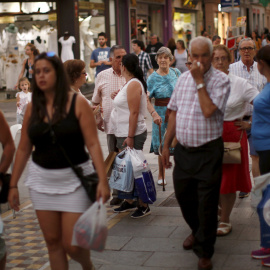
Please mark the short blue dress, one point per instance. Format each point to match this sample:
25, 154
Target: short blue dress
161, 87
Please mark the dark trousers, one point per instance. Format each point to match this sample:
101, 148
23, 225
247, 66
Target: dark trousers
264, 161
197, 177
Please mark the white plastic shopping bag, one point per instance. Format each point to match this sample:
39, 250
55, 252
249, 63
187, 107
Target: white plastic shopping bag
260, 183
122, 172
143, 178
90, 231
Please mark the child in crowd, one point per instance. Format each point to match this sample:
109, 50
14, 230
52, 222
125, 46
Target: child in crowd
23, 98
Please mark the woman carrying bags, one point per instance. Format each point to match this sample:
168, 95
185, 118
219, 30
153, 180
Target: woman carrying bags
58, 118
130, 107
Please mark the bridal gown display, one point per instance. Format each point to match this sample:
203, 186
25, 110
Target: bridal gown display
66, 52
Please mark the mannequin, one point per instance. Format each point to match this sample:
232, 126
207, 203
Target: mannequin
67, 41
40, 44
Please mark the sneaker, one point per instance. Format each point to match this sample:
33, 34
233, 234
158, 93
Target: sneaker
116, 201
266, 262
261, 253
243, 194
125, 206
141, 212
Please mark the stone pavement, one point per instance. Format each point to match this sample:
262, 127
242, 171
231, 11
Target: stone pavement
153, 242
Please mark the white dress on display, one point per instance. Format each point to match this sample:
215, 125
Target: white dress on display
52, 41
67, 53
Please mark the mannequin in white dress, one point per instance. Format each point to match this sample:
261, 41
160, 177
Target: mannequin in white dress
67, 42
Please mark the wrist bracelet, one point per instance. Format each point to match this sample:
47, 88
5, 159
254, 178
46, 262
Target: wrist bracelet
13, 187
153, 112
131, 137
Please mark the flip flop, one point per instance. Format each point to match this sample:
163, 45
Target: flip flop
222, 231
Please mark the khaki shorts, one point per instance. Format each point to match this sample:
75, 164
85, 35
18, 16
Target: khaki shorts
2, 248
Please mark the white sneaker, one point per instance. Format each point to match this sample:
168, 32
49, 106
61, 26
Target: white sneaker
160, 182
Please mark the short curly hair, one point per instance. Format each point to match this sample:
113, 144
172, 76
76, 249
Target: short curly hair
221, 47
74, 69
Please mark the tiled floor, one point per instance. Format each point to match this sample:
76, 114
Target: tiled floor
25, 244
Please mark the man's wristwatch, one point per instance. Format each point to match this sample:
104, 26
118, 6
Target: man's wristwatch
201, 85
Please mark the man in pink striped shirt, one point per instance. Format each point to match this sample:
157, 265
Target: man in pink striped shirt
198, 104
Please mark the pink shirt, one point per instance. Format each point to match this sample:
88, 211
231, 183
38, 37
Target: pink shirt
107, 82
192, 128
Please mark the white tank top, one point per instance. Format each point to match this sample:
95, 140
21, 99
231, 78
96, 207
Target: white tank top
120, 114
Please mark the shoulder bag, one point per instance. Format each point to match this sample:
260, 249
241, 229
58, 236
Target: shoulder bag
232, 152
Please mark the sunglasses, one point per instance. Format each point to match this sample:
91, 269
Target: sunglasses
48, 54
188, 63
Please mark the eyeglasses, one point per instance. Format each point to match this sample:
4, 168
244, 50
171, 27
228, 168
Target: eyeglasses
188, 63
222, 58
249, 49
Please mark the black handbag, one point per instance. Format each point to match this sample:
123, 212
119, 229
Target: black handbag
5, 178
89, 182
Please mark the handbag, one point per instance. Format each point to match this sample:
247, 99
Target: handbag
90, 181
5, 178
232, 152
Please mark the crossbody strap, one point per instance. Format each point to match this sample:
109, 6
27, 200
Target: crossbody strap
77, 170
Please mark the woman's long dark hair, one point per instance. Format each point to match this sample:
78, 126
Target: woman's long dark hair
131, 63
62, 87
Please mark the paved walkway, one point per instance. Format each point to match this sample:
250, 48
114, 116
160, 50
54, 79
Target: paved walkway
150, 243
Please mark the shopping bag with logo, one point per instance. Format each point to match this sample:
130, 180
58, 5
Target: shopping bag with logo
263, 210
143, 178
122, 172
90, 231
260, 183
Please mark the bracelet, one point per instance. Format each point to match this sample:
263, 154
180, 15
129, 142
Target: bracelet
13, 187
153, 112
131, 137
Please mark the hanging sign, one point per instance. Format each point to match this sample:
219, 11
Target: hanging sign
241, 21
226, 5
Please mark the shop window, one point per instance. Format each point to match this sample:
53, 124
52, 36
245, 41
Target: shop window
184, 26
9, 7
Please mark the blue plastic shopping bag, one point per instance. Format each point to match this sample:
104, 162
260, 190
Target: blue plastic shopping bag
263, 210
122, 172
143, 178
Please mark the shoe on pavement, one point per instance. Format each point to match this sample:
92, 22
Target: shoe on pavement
160, 182
125, 206
266, 262
261, 253
116, 201
188, 243
225, 229
243, 194
141, 212
205, 264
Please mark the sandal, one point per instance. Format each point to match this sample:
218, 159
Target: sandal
225, 229
160, 182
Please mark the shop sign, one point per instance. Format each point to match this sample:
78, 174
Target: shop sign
52, 17
88, 5
7, 19
189, 3
241, 21
226, 5
161, 2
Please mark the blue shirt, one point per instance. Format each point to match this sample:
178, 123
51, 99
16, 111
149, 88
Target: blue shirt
101, 54
260, 128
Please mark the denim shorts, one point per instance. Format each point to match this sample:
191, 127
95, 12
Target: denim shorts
2, 248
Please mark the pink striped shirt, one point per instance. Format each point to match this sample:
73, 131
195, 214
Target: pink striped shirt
107, 82
192, 128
